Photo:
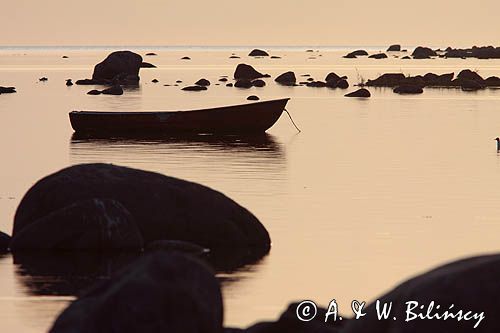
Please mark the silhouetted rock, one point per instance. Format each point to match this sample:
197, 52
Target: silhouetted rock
316, 84
386, 80
194, 88
160, 292
287, 79
4, 242
69, 82
114, 90
310, 79
332, 77
469, 284
394, 48
342, 84
406, 57
122, 64
234, 57
94, 92
177, 246
43, 79
408, 89
469, 85
243, 84
151, 54
378, 56
258, 83
185, 58
147, 65
86, 82
467, 74
443, 80
423, 53
155, 80
253, 98
7, 90
93, 224
275, 57
178, 81
258, 53
359, 93
484, 52
163, 207
492, 81
247, 72
202, 82
65, 57
356, 53
350, 56
229, 84
223, 79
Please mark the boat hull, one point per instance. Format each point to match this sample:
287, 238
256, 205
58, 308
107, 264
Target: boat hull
238, 119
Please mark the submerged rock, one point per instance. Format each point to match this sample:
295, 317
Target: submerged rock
94, 92
469, 284
160, 292
223, 79
185, 58
151, 54
356, 53
247, 72
155, 80
275, 57
253, 98
194, 88
147, 65
7, 90
408, 89
93, 224
69, 82
365, 93
114, 90
286, 79
162, 207
378, 56
316, 84
234, 57
258, 53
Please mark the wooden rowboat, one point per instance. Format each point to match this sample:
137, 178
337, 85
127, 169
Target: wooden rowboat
236, 119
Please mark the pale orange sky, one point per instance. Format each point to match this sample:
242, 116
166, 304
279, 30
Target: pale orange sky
254, 22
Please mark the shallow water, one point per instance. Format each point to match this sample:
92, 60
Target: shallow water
370, 192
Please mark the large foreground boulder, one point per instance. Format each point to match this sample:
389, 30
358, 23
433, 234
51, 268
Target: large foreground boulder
469, 285
94, 224
125, 64
162, 207
247, 72
160, 292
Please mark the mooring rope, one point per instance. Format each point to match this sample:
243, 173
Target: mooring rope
290, 116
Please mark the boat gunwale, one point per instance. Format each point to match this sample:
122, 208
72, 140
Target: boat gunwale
82, 112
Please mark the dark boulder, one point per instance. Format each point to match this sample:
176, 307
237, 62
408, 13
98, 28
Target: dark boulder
94, 92
286, 79
275, 57
160, 292
194, 88
124, 64
234, 57
43, 79
310, 79
359, 93
253, 98
356, 53
65, 57
4, 242
406, 57
394, 48
332, 77
92, 224
202, 82
467, 74
350, 56
151, 54
7, 90
258, 53
492, 81
87, 82
185, 58
163, 207
178, 81
378, 56
69, 82
259, 83
147, 65
247, 72
423, 53
155, 80
387, 80
408, 89
442, 80
469, 284
342, 84
223, 79
229, 85
177, 246
469, 85
243, 84
114, 90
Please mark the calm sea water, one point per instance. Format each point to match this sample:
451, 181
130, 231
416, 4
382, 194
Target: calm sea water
370, 192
